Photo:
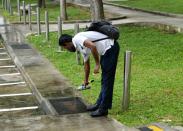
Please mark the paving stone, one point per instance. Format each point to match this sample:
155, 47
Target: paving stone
8, 70
7, 62
13, 89
178, 128
10, 79
17, 101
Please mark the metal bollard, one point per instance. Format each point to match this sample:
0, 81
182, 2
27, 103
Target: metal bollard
76, 28
59, 33
38, 21
3, 4
59, 26
24, 12
78, 56
30, 17
8, 7
11, 11
19, 12
47, 25
126, 89
18, 7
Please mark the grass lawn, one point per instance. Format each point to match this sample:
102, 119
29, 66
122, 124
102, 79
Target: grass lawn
53, 10
171, 6
157, 69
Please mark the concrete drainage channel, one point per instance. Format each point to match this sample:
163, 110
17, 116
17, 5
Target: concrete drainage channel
16, 98
20, 96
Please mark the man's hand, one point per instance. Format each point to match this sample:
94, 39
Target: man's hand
87, 72
85, 83
97, 68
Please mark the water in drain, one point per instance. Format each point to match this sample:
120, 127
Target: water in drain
71, 105
21, 46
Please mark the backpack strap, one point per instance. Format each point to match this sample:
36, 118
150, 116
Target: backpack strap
100, 39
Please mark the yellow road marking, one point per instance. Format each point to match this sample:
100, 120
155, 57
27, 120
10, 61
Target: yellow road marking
155, 128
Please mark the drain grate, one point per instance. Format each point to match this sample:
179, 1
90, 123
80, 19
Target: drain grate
20, 46
71, 105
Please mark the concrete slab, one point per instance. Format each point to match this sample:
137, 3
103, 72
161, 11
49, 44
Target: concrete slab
178, 128
1, 46
18, 101
2, 50
45, 77
10, 79
7, 62
18, 114
8, 70
22, 88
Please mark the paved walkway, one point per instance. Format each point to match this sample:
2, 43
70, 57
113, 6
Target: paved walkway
138, 16
132, 17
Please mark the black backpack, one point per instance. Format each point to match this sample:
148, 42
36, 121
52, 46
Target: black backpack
105, 28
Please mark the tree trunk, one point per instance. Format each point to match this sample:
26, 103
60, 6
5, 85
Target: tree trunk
41, 3
97, 10
63, 10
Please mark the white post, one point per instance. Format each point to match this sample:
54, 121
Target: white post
30, 17
19, 11
78, 56
59, 26
63, 12
38, 21
9, 3
47, 25
24, 12
11, 11
6, 4
3, 4
127, 72
7, 8
18, 7
59, 32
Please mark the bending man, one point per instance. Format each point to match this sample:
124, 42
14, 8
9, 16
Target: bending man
100, 46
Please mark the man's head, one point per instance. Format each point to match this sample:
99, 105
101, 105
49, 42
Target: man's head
66, 42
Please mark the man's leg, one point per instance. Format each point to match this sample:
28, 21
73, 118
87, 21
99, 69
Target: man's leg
100, 95
108, 65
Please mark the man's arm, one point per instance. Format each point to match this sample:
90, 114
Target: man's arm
87, 71
92, 46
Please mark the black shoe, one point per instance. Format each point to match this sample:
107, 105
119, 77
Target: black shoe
92, 107
99, 112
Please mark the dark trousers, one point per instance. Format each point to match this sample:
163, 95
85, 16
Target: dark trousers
108, 65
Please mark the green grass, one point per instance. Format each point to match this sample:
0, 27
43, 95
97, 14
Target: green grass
157, 68
171, 6
53, 10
